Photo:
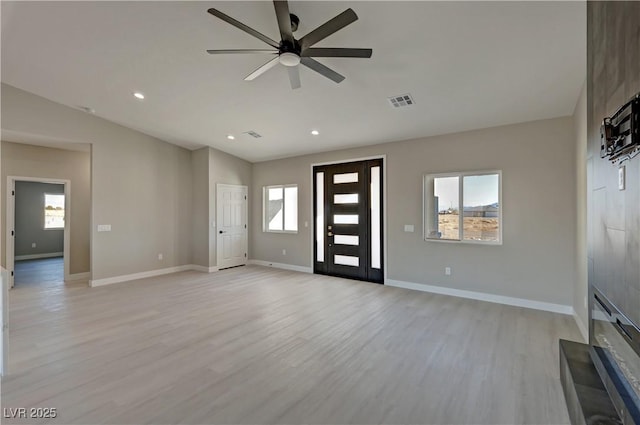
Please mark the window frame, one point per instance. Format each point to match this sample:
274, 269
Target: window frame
44, 211
265, 224
461, 175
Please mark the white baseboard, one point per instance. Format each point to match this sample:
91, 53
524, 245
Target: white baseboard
204, 269
283, 266
582, 327
150, 273
77, 276
37, 256
481, 296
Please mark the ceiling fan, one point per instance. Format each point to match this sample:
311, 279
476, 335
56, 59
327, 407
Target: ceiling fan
291, 52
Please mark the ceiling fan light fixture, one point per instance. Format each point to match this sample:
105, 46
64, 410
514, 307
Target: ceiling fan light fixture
138, 95
289, 59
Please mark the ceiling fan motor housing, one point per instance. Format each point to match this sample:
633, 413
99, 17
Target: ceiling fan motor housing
289, 59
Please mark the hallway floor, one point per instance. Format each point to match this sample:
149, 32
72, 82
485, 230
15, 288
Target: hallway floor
40, 272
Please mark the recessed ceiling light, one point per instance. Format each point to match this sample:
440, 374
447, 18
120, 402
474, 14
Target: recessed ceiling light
230, 137
138, 95
315, 132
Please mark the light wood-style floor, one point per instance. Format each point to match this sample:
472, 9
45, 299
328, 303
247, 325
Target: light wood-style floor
260, 345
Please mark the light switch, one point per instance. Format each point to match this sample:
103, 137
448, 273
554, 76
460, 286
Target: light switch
622, 177
408, 228
104, 227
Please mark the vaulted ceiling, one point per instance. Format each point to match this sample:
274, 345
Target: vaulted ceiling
467, 65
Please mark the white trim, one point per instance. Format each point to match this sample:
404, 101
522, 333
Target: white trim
203, 269
136, 276
151, 273
36, 256
581, 326
344, 161
78, 276
283, 266
481, 296
4, 322
10, 220
385, 215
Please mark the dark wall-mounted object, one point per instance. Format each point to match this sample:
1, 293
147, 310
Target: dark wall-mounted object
620, 134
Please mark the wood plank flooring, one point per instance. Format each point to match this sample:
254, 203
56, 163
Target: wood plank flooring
40, 272
260, 345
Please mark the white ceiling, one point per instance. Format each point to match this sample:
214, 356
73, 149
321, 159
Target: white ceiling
468, 65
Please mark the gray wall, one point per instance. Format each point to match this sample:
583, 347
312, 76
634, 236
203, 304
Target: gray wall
537, 258
580, 287
140, 185
201, 201
613, 76
29, 221
48, 163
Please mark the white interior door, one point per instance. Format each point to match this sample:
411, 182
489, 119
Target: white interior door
231, 244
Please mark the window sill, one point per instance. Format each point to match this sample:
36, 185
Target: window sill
466, 242
289, 232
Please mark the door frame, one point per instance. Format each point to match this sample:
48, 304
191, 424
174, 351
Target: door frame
246, 220
10, 221
385, 239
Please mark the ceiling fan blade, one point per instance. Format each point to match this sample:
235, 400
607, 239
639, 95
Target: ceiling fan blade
331, 52
224, 51
294, 76
264, 68
243, 27
325, 30
321, 69
284, 20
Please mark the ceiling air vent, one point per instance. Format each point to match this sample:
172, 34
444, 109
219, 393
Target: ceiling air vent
253, 134
401, 101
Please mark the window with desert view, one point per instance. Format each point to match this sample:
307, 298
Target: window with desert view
53, 211
479, 196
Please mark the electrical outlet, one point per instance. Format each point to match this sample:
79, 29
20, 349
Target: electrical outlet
447, 271
622, 177
160, 257
33, 245
284, 252
306, 224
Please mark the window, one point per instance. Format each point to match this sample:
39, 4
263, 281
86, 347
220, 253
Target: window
53, 211
280, 208
473, 196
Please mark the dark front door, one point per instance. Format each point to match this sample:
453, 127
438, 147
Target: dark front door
348, 220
